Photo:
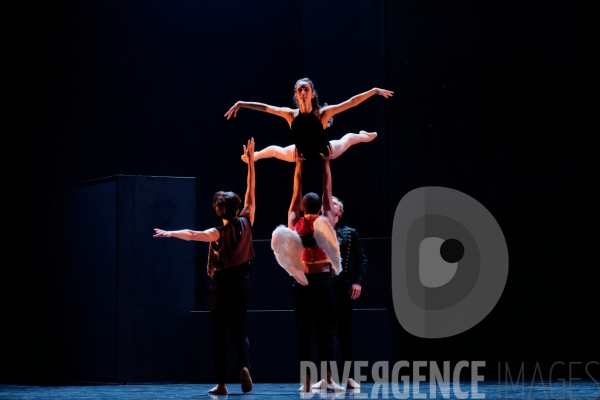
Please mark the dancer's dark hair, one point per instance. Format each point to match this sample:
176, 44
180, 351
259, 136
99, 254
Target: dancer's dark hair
315, 100
311, 203
226, 205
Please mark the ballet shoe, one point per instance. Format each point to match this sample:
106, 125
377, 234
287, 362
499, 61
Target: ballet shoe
217, 390
331, 387
352, 384
319, 384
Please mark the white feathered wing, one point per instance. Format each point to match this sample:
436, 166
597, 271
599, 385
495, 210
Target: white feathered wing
327, 239
287, 246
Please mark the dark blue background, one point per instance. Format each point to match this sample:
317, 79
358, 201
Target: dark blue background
487, 101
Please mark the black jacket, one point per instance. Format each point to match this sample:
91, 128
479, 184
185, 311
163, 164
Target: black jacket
354, 260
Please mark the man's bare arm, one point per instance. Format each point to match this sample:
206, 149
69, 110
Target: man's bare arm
249, 202
294, 211
327, 196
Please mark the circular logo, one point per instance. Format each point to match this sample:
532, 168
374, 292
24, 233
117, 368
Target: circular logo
449, 262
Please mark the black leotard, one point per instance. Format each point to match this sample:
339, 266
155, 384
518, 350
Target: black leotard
309, 136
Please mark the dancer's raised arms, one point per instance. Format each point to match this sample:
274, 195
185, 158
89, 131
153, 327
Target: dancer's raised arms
306, 99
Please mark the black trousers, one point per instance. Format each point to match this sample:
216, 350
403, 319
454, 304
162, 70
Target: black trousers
314, 307
344, 323
228, 300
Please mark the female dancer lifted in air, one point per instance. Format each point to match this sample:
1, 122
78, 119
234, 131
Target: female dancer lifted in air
308, 123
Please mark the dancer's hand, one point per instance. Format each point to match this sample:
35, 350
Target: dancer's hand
355, 291
385, 93
249, 151
326, 156
298, 157
161, 233
233, 110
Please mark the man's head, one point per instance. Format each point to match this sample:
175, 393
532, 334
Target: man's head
226, 205
338, 208
311, 203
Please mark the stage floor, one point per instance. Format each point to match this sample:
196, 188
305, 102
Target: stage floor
491, 389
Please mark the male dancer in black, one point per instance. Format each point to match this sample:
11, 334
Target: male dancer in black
230, 252
348, 285
313, 270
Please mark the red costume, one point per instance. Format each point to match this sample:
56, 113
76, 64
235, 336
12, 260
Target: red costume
312, 253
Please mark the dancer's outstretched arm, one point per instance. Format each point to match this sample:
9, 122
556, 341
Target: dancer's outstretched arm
294, 211
209, 235
331, 110
249, 205
284, 112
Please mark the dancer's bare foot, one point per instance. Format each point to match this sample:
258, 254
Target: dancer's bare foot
368, 135
246, 380
219, 389
319, 384
306, 387
303, 389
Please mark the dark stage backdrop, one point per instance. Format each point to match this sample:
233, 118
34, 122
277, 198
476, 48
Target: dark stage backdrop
487, 101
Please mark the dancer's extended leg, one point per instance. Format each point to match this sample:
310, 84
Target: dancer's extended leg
281, 153
341, 145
